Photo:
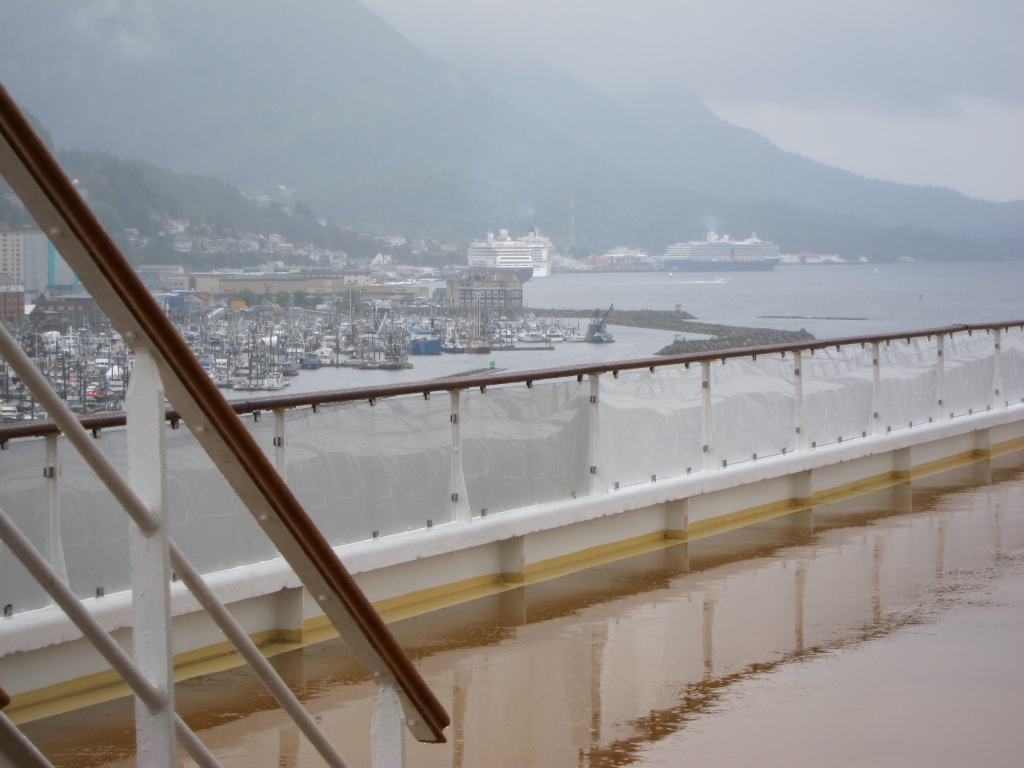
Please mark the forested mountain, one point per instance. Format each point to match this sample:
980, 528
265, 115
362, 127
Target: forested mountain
327, 99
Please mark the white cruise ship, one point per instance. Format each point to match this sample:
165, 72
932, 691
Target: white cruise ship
722, 254
523, 254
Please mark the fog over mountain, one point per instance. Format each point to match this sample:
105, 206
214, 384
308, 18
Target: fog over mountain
918, 93
326, 98
670, 135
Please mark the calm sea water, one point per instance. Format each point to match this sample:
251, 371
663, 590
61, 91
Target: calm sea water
884, 297
888, 297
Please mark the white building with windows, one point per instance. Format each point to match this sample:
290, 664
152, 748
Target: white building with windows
12, 257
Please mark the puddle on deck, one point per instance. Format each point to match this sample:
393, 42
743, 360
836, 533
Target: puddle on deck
882, 630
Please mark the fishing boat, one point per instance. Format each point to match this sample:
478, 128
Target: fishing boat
275, 381
311, 361
597, 331
531, 337
423, 341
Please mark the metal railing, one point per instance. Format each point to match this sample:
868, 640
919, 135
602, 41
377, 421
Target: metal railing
163, 360
426, 387
435, 461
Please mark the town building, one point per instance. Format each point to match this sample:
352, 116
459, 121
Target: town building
12, 303
57, 307
492, 289
275, 282
12, 257
29, 259
164, 277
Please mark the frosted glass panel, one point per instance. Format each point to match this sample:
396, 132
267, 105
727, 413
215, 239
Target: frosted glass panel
358, 468
1013, 365
208, 520
650, 424
908, 373
523, 446
969, 369
24, 497
837, 393
94, 526
753, 407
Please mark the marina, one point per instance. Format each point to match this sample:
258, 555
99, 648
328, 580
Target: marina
266, 348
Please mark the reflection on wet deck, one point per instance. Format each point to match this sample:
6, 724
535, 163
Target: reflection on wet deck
602, 666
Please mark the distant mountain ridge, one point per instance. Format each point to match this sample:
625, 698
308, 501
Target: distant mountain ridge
330, 100
672, 136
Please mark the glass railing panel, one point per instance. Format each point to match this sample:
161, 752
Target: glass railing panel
650, 424
909, 381
753, 407
358, 468
525, 446
969, 370
94, 526
837, 394
25, 499
1012, 359
208, 520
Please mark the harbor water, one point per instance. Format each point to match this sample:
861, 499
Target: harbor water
881, 630
873, 298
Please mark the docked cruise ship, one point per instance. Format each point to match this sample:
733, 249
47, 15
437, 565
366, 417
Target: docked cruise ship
530, 255
722, 254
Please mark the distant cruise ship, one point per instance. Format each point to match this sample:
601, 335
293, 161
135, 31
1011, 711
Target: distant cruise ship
721, 254
530, 255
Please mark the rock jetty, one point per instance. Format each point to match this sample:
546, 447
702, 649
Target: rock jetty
723, 336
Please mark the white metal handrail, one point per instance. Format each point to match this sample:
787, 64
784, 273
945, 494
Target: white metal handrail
56, 587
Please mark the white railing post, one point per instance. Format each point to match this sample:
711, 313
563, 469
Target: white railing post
55, 548
940, 372
388, 730
461, 511
798, 394
280, 456
151, 604
998, 399
710, 460
876, 390
598, 474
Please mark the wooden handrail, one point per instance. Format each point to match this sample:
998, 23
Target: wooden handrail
48, 195
42, 428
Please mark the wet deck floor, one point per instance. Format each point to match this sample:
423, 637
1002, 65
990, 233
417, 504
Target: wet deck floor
881, 630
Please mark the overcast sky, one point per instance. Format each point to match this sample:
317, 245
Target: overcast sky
925, 92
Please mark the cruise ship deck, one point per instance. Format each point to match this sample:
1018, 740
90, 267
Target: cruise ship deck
890, 619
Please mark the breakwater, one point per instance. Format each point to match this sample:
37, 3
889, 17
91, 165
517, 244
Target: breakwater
723, 336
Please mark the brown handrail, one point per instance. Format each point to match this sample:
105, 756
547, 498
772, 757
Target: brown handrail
47, 193
42, 428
